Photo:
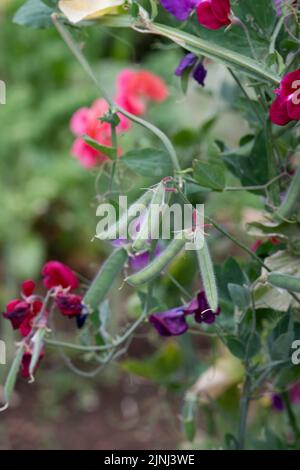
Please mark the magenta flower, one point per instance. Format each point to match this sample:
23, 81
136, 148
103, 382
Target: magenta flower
214, 14
286, 106
181, 9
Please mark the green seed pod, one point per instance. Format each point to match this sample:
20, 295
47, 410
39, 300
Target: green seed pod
291, 200
208, 277
284, 281
12, 375
104, 279
121, 226
38, 341
154, 268
151, 220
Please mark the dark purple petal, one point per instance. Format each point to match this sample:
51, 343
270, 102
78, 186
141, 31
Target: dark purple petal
277, 403
206, 316
80, 320
188, 61
170, 323
199, 74
181, 9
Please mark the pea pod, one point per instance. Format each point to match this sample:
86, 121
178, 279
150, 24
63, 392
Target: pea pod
12, 375
151, 220
208, 276
291, 200
104, 279
121, 226
38, 341
284, 281
153, 269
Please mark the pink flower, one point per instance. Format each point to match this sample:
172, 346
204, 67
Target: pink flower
214, 14
135, 88
57, 274
286, 106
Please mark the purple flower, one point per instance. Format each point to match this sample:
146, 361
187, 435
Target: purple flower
181, 9
199, 73
200, 308
140, 261
187, 62
277, 403
173, 322
277, 4
170, 323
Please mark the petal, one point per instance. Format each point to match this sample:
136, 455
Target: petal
77, 10
221, 9
56, 274
170, 323
293, 106
79, 121
199, 74
188, 61
278, 112
181, 9
28, 287
206, 16
286, 85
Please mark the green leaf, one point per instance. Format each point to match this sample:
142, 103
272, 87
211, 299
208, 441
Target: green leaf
280, 349
110, 152
34, 13
240, 296
148, 162
209, 175
236, 347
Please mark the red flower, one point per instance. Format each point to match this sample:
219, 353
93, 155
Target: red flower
58, 274
21, 314
69, 304
286, 106
16, 311
26, 359
214, 14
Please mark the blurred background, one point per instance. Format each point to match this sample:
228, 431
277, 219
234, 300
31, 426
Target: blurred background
48, 205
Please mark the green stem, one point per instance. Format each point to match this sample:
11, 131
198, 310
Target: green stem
114, 143
244, 408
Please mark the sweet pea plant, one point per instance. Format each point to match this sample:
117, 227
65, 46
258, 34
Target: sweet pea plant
250, 310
